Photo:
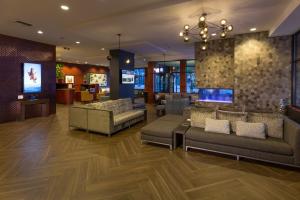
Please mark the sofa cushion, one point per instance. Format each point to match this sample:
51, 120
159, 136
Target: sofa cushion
271, 145
273, 122
233, 117
252, 130
217, 126
160, 128
198, 117
126, 116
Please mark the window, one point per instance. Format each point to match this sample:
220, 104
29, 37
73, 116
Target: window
296, 70
166, 77
139, 76
191, 83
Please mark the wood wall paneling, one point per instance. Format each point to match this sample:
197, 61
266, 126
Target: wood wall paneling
13, 53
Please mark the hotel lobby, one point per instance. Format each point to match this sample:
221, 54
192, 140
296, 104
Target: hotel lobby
156, 99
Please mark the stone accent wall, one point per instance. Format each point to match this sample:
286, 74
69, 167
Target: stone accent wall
215, 67
256, 66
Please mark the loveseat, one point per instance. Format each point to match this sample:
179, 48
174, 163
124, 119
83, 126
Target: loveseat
106, 117
281, 144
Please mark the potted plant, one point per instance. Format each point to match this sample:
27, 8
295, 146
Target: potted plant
59, 73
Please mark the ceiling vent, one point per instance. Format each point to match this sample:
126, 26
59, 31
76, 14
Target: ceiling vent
24, 23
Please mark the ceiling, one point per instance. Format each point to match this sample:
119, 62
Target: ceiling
149, 28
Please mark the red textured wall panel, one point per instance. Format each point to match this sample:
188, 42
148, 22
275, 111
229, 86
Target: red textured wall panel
78, 71
13, 53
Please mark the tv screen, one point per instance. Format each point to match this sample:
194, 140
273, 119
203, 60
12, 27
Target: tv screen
216, 95
32, 78
127, 77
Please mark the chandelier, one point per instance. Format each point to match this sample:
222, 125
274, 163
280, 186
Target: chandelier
201, 30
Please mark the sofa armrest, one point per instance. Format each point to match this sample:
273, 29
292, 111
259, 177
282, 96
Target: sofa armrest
292, 137
100, 121
78, 117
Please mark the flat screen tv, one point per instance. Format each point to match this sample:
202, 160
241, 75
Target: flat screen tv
127, 76
32, 78
217, 95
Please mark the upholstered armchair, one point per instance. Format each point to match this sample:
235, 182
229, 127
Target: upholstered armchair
86, 96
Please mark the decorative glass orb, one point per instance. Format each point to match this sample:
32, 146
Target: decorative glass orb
223, 22
230, 28
205, 29
186, 27
181, 34
223, 35
204, 47
201, 32
186, 39
202, 18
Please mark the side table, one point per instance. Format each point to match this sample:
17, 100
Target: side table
178, 135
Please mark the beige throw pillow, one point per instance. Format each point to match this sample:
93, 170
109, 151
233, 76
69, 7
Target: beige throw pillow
252, 130
273, 122
217, 126
198, 117
233, 117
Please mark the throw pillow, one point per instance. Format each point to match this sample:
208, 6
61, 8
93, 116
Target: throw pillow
273, 122
233, 117
198, 117
252, 130
217, 126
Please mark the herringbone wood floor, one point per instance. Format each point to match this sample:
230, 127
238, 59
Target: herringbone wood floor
41, 159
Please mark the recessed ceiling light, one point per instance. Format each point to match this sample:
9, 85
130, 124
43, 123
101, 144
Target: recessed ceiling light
77, 42
103, 49
253, 29
40, 32
213, 34
64, 7
86, 62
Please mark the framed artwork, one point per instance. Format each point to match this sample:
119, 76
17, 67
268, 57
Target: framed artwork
100, 79
69, 79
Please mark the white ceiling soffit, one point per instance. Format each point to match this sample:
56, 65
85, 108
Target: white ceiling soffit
149, 27
289, 21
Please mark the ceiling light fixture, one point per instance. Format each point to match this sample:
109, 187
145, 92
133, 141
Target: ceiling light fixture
202, 30
65, 7
128, 61
40, 32
253, 29
86, 62
77, 42
103, 49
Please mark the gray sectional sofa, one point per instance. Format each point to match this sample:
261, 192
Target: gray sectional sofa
161, 131
106, 117
285, 150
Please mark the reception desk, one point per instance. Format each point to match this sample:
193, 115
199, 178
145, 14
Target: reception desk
65, 96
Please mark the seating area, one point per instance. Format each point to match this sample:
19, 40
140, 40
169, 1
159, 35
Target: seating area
107, 117
150, 100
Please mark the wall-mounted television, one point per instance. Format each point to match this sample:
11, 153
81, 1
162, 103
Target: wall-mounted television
217, 95
32, 78
127, 76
